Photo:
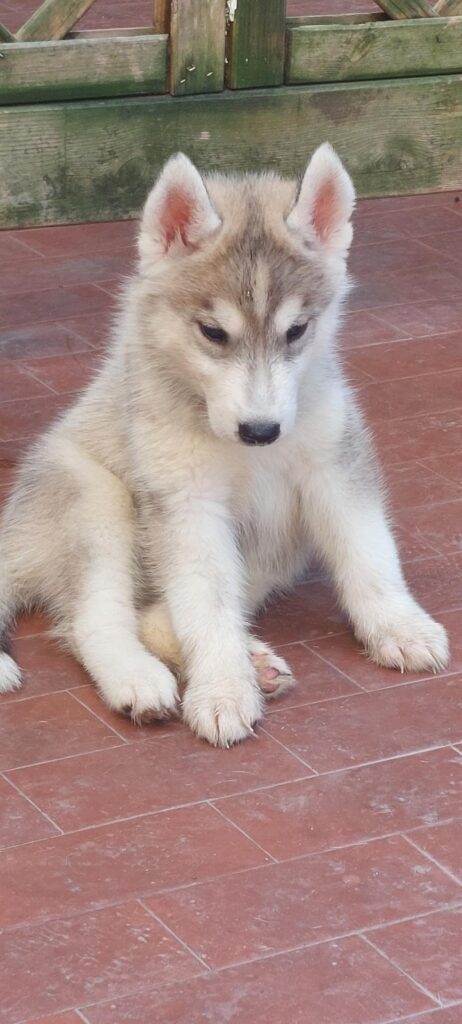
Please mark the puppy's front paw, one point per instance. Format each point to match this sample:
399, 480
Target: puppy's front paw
150, 694
274, 676
223, 712
414, 642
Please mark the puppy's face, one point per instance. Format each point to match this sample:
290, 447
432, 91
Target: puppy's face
240, 276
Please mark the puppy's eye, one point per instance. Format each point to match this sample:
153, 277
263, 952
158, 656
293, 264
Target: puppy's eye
295, 332
215, 334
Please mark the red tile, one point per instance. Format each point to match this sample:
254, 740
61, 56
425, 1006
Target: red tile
437, 582
80, 239
12, 249
44, 728
439, 525
101, 955
449, 466
349, 807
30, 416
448, 1015
314, 679
447, 243
429, 316
411, 358
62, 273
429, 950
402, 204
19, 821
45, 667
112, 863
67, 373
411, 547
432, 393
60, 1018
371, 726
32, 624
92, 330
444, 844
435, 218
52, 304
310, 611
411, 484
364, 329
342, 652
308, 986
112, 286
390, 254
308, 900
378, 228
381, 289
419, 437
83, 791
37, 341
15, 382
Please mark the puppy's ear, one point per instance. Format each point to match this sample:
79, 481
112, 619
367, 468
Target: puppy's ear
325, 203
178, 214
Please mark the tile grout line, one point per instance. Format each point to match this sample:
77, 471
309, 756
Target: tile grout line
98, 717
326, 661
234, 824
174, 935
433, 860
35, 806
289, 751
365, 938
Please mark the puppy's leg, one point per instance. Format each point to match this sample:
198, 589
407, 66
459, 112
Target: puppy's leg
203, 588
348, 523
103, 624
273, 674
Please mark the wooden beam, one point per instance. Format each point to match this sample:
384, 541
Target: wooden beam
5, 35
256, 44
110, 33
52, 20
299, 20
407, 8
96, 160
392, 49
83, 69
197, 46
447, 8
161, 16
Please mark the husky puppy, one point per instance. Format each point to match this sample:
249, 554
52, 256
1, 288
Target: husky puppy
217, 447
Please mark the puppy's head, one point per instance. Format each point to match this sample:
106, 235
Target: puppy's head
241, 278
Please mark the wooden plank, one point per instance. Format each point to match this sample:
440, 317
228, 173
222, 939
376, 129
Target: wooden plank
5, 35
161, 16
110, 33
83, 69
392, 49
95, 160
298, 20
447, 8
256, 44
197, 46
407, 8
52, 20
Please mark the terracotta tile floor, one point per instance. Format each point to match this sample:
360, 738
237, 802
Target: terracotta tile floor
312, 875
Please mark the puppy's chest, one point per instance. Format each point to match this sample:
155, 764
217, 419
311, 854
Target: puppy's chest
267, 511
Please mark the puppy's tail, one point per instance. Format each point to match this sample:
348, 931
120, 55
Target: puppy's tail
10, 675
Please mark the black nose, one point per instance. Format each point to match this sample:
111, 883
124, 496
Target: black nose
259, 432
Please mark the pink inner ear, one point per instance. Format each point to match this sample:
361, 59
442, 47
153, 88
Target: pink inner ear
325, 209
176, 216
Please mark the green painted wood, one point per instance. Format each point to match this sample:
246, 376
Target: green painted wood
52, 20
5, 35
407, 8
112, 33
197, 46
447, 8
297, 20
83, 69
391, 49
255, 44
95, 160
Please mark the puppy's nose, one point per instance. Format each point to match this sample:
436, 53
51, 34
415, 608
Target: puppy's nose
259, 432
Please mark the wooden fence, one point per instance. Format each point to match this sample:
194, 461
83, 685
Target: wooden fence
87, 118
